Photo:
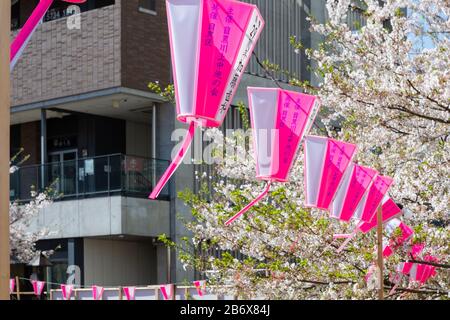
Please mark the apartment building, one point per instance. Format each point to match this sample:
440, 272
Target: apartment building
82, 111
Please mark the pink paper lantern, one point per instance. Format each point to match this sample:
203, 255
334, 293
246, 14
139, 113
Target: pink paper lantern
389, 210
38, 287
405, 235
67, 291
280, 119
200, 285
326, 161
130, 293
387, 251
167, 291
25, 34
97, 292
211, 44
355, 183
418, 272
368, 206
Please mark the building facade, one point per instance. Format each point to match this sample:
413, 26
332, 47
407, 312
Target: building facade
96, 134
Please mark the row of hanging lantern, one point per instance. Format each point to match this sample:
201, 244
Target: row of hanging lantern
223, 34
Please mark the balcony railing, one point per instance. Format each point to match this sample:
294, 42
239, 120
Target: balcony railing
105, 175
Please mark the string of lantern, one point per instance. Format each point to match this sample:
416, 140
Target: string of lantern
67, 290
223, 36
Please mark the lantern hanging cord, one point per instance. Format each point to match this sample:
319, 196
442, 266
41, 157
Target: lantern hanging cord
347, 241
175, 162
251, 204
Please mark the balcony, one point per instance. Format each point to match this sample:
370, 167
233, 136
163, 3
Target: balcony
116, 174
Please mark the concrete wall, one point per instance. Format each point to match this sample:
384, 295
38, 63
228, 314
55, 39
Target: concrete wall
117, 262
183, 179
104, 217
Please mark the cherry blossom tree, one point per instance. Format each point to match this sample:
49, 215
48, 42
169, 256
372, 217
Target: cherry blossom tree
22, 241
381, 89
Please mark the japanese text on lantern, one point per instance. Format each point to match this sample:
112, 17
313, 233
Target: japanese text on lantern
239, 67
335, 151
361, 177
218, 74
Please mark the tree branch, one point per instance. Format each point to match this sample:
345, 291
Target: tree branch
427, 97
434, 264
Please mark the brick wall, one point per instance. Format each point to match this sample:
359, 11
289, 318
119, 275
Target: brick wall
145, 46
59, 62
116, 46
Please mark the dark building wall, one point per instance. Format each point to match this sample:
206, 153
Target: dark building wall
284, 18
29, 140
15, 142
96, 135
145, 46
109, 136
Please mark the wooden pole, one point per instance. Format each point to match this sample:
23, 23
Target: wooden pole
18, 287
380, 252
5, 31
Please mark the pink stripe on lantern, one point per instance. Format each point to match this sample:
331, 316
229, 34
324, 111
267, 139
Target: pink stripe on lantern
389, 211
12, 285
337, 158
38, 287
130, 293
66, 291
326, 161
416, 249
200, 285
251, 204
377, 191
97, 292
361, 179
293, 119
167, 291
214, 49
387, 251
176, 162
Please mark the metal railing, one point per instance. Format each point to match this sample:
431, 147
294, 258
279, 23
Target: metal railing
104, 175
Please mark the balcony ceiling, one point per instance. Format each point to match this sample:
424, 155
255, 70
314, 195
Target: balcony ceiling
120, 104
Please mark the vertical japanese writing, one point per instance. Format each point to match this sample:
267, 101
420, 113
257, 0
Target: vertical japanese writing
242, 59
358, 186
223, 49
338, 153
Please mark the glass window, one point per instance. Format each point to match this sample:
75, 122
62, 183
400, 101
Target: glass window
15, 14
21, 9
147, 6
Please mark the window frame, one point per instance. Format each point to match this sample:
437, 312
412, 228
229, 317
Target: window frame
143, 9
